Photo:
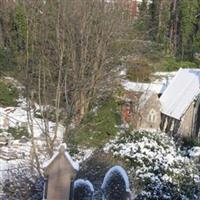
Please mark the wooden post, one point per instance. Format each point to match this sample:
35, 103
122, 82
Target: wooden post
60, 171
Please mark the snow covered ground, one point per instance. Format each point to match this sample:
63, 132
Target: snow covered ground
157, 167
158, 85
18, 116
17, 153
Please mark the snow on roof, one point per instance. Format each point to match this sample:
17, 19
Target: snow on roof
62, 148
143, 87
178, 96
75, 165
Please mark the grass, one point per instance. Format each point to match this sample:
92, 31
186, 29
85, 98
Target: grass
172, 64
8, 94
17, 133
98, 127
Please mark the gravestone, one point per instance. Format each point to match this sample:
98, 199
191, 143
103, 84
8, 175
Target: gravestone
60, 170
116, 185
83, 190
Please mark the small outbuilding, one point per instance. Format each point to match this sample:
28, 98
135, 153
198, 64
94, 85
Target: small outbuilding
141, 109
173, 107
180, 104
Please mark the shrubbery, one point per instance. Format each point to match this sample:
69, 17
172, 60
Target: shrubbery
17, 133
98, 126
8, 94
23, 184
157, 167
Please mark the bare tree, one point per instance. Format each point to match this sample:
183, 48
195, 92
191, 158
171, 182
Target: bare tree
69, 56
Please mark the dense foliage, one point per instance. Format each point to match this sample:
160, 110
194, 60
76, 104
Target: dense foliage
157, 168
8, 94
175, 24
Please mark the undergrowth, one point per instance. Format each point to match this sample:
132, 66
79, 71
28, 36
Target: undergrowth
98, 126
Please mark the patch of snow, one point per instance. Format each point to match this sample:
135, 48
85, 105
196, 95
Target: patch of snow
165, 74
7, 167
74, 164
144, 87
17, 117
123, 72
16, 83
194, 152
158, 85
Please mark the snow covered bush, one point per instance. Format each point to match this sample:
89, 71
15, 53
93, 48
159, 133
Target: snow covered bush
23, 184
157, 167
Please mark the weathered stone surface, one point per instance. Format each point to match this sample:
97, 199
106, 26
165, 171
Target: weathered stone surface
60, 170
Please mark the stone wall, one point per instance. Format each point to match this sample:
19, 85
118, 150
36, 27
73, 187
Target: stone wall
142, 110
150, 113
186, 126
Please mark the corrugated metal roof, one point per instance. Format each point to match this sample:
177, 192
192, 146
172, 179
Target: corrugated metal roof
180, 93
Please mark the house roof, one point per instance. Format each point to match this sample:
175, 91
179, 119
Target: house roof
180, 93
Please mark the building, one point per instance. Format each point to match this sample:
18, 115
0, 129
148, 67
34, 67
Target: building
173, 107
142, 110
180, 104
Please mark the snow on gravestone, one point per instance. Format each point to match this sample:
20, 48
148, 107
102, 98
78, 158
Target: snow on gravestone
116, 185
83, 190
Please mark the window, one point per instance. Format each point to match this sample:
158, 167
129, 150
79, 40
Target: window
152, 116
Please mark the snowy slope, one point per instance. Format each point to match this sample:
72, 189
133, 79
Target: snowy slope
158, 85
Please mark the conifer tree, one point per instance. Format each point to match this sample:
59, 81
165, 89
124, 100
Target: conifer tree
188, 22
143, 18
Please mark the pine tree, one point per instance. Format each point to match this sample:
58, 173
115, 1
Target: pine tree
143, 18
188, 22
174, 27
153, 25
159, 25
